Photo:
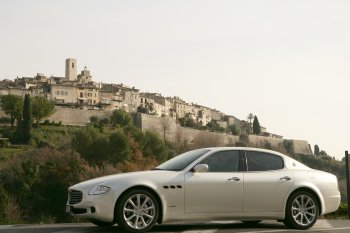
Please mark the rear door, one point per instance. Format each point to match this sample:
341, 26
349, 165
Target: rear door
266, 182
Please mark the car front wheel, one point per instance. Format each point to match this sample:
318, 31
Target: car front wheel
302, 211
137, 211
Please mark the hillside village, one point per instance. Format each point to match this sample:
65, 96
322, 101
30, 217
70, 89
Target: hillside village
79, 91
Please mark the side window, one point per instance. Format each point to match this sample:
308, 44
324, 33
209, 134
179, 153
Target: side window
259, 161
223, 161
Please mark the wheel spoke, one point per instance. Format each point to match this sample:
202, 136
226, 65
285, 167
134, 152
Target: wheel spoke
308, 201
307, 219
132, 203
301, 218
129, 218
145, 201
136, 222
302, 200
143, 221
138, 196
311, 207
149, 208
310, 214
148, 216
129, 210
296, 202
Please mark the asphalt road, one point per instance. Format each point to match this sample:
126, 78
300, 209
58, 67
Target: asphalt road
322, 226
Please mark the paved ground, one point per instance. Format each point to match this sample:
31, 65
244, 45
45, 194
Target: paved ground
322, 226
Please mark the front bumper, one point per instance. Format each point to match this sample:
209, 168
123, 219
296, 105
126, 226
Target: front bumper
99, 207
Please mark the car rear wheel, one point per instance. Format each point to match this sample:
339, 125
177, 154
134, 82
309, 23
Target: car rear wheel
137, 211
302, 210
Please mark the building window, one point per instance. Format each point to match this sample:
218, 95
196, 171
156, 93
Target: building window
73, 65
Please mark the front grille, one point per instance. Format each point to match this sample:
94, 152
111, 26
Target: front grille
74, 197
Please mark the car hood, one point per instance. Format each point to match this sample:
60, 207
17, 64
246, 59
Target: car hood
124, 178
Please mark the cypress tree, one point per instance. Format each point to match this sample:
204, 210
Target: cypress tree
256, 126
316, 150
27, 119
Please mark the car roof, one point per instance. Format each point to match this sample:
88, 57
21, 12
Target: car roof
289, 162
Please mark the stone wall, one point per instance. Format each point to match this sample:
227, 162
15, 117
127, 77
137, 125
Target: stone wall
301, 147
261, 141
174, 132
69, 116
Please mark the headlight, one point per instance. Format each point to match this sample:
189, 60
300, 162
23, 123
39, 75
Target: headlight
99, 190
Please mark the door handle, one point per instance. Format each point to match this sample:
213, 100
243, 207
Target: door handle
234, 179
285, 178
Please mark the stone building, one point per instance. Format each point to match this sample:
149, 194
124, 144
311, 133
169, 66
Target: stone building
71, 69
119, 96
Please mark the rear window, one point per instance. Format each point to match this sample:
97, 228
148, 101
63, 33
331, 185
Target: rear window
261, 161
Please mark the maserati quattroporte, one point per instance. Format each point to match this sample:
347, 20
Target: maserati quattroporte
227, 183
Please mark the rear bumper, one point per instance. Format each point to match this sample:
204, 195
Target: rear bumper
331, 201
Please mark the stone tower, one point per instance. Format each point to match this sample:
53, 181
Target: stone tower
71, 69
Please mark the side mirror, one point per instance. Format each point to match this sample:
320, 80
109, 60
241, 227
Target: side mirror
201, 168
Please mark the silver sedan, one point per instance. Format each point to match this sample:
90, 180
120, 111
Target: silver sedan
223, 183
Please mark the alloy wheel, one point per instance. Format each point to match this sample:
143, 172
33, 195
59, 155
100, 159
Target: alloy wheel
304, 210
139, 211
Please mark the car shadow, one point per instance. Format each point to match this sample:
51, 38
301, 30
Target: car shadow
199, 226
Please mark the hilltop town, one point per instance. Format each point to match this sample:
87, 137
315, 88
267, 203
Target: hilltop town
77, 98
81, 92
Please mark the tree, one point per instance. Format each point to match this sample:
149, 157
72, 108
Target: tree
12, 105
3, 201
250, 117
152, 145
316, 150
119, 147
27, 119
41, 108
120, 117
233, 129
256, 126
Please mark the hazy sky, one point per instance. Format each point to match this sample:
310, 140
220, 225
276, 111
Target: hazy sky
287, 61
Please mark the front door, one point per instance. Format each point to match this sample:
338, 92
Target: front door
220, 189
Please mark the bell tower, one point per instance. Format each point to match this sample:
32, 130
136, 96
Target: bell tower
71, 69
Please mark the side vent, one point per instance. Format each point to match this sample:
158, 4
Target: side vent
172, 187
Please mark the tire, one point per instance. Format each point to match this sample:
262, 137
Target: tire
101, 223
302, 210
251, 222
137, 211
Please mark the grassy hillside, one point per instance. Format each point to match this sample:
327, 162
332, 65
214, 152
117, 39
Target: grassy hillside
67, 155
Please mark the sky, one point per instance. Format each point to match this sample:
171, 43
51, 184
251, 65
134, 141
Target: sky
286, 61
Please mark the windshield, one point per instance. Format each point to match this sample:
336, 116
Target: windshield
181, 161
